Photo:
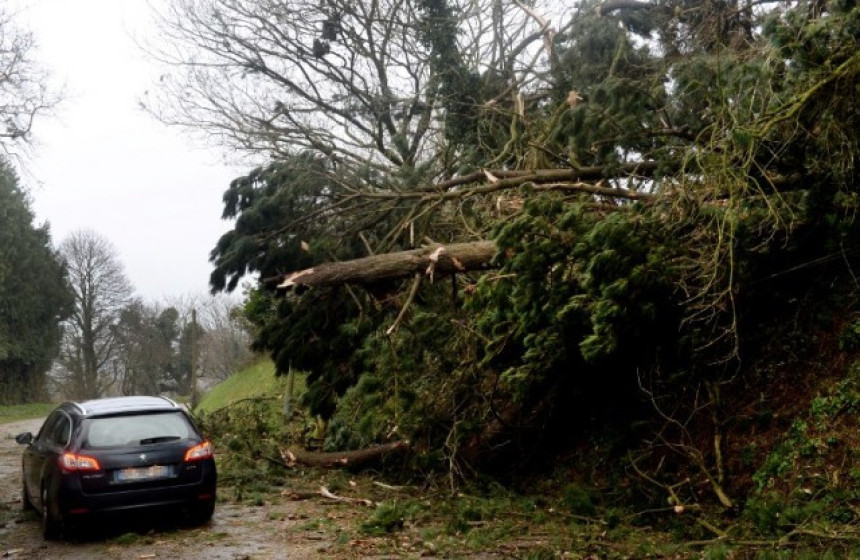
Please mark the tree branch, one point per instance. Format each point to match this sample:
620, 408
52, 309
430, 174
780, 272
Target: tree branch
616, 5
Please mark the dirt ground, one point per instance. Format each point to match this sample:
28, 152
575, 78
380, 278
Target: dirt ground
278, 528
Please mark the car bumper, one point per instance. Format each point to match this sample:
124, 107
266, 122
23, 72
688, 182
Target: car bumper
73, 501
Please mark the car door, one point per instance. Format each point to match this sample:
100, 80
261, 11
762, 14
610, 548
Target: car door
34, 458
42, 454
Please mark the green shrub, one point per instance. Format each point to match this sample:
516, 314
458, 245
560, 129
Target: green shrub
577, 500
764, 513
849, 337
719, 551
389, 517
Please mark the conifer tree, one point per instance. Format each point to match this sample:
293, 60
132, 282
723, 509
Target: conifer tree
34, 296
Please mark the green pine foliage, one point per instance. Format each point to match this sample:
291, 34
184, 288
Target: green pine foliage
287, 193
34, 296
577, 294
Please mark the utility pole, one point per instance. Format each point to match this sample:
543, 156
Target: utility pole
193, 358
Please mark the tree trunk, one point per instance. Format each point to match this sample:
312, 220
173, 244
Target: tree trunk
358, 457
432, 260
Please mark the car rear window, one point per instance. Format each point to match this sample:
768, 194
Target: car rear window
136, 429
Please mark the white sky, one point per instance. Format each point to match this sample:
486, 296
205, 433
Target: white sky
103, 164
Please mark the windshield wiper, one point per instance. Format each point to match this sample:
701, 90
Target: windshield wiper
159, 439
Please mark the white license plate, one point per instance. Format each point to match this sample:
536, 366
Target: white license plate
142, 473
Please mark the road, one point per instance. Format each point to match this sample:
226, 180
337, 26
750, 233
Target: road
278, 530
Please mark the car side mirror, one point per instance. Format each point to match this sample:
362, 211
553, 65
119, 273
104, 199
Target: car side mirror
24, 439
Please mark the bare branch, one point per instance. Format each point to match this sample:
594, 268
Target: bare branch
24, 92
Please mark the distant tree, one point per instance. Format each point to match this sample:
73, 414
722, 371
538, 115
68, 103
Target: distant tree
24, 92
226, 346
221, 342
188, 359
89, 366
146, 337
34, 296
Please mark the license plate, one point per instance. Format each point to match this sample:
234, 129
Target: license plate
142, 473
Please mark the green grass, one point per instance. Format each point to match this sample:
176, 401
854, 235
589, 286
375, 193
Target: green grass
15, 412
257, 380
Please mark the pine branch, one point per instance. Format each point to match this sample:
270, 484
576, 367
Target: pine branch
616, 5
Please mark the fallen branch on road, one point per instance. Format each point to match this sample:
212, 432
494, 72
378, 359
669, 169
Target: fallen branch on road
325, 493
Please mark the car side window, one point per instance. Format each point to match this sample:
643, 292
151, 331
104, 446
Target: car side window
48, 427
62, 430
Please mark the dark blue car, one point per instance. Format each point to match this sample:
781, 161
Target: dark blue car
117, 454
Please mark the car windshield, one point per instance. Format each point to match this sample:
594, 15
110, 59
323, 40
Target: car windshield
136, 429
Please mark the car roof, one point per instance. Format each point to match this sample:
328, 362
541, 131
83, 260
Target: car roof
122, 405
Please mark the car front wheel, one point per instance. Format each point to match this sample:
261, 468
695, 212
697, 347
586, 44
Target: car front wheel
52, 527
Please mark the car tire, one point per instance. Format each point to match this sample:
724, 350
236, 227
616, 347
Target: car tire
25, 499
52, 527
200, 514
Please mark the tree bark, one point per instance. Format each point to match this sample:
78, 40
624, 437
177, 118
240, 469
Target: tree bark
434, 260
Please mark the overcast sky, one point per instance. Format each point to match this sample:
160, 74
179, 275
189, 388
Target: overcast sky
103, 164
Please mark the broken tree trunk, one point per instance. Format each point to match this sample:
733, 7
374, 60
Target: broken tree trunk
431, 260
353, 458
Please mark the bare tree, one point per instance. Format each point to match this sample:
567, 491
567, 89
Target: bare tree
226, 345
361, 82
89, 365
341, 78
24, 91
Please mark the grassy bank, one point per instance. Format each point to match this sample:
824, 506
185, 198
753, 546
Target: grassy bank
16, 412
256, 381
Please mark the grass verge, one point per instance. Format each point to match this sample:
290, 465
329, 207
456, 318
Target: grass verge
256, 381
15, 412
